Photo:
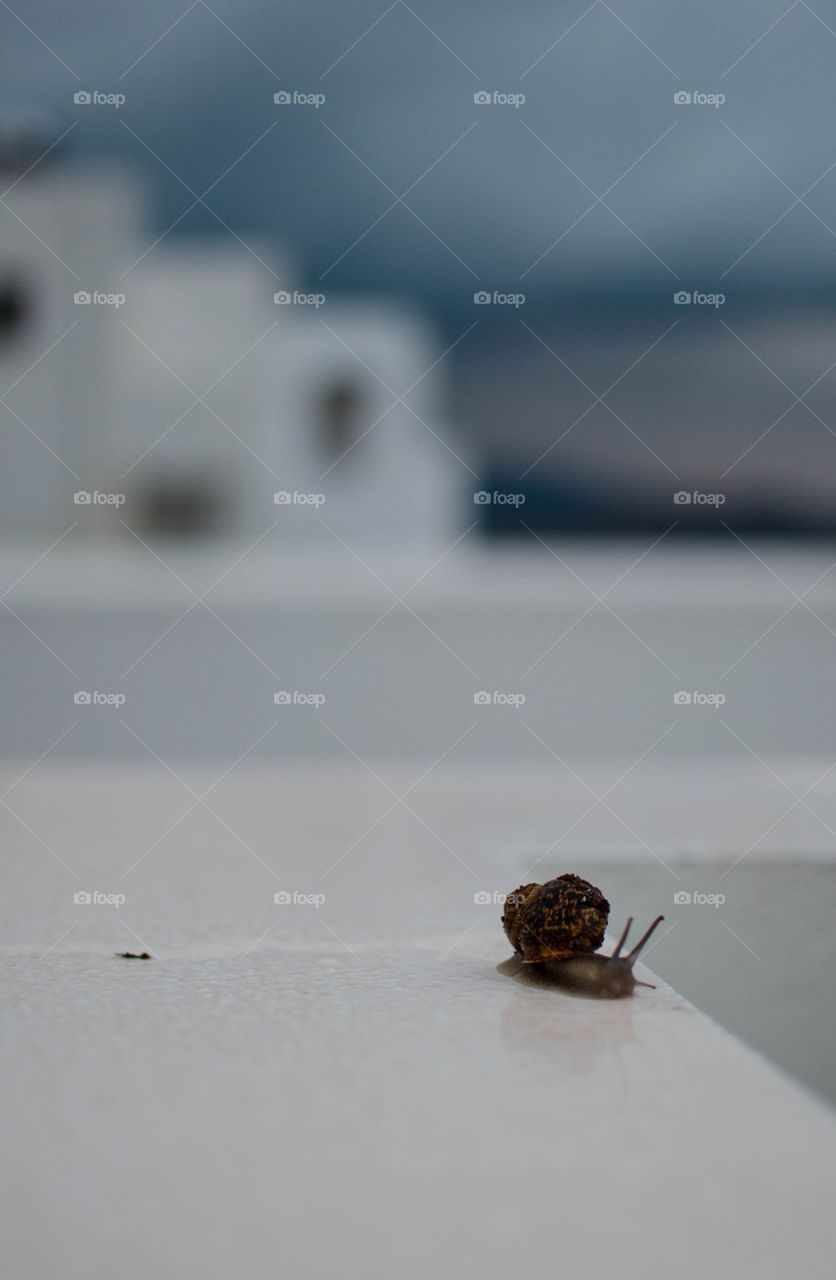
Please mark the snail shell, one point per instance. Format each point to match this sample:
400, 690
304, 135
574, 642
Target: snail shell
562, 918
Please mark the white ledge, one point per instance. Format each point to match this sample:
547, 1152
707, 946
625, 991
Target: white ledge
355, 1089
317, 571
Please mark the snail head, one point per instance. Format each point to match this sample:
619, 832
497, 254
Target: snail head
617, 977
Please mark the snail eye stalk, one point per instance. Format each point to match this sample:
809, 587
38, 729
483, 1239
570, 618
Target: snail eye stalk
642, 942
621, 941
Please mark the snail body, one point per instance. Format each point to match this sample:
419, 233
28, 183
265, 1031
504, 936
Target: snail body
605, 977
559, 926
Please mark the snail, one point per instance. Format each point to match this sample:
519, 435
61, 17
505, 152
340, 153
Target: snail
560, 925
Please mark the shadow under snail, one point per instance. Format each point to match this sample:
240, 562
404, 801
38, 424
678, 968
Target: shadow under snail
559, 926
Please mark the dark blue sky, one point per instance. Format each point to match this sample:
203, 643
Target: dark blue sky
495, 186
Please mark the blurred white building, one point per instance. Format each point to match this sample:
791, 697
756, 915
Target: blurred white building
192, 380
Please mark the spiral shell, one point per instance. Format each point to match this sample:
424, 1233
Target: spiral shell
564, 917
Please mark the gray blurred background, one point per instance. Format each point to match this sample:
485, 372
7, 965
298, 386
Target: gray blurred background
597, 198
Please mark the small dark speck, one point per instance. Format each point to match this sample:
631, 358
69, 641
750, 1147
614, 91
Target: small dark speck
133, 955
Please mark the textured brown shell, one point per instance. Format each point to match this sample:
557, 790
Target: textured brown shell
553, 921
512, 914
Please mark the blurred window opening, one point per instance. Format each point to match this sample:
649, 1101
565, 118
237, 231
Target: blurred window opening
15, 309
339, 417
182, 508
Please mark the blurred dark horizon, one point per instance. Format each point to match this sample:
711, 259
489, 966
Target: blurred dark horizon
631, 288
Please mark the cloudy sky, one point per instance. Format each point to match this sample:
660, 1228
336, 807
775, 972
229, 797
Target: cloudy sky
599, 182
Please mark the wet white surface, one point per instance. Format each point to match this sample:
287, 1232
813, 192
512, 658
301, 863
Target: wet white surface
353, 1089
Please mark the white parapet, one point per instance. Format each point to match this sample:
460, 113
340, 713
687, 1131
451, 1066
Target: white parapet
324, 1071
